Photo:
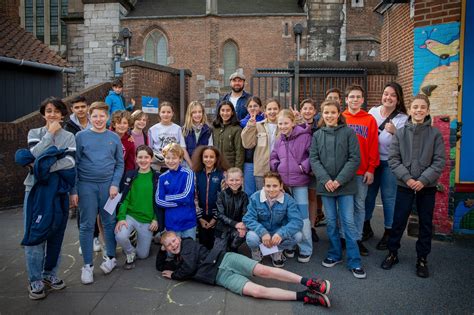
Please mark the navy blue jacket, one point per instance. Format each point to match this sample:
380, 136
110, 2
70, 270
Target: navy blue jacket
48, 201
240, 108
208, 187
203, 139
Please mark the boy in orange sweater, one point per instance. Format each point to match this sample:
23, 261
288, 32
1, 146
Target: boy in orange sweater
365, 127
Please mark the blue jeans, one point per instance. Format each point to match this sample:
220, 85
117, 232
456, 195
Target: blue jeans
187, 233
300, 194
425, 201
341, 207
387, 183
359, 207
254, 241
92, 198
249, 179
43, 259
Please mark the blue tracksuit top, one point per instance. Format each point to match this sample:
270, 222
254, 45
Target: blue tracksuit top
176, 195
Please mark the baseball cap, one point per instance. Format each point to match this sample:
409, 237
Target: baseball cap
236, 75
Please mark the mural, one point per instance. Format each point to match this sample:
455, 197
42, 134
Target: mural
436, 58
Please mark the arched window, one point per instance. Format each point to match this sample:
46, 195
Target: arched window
156, 48
230, 60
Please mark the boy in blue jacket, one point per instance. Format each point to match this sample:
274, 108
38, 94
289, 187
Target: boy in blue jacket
175, 194
115, 99
272, 219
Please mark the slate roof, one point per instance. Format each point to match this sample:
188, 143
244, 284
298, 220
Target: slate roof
163, 8
17, 43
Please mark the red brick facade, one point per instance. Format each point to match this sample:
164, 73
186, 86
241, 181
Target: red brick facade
197, 43
397, 44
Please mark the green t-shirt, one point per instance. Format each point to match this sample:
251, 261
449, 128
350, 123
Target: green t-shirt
139, 201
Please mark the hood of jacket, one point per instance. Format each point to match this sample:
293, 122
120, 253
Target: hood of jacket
360, 113
297, 131
426, 123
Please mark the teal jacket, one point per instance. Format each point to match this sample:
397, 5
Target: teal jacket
335, 155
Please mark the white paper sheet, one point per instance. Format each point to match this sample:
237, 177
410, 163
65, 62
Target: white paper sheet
268, 251
111, 204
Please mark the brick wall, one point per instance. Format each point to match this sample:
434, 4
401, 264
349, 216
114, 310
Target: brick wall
142, 78
10, 9
437, 12
204, 56
363, 31
13, 135
397, 44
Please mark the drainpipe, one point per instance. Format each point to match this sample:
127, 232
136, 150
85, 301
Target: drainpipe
343, 54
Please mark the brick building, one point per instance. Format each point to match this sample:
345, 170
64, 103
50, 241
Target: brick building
431, 41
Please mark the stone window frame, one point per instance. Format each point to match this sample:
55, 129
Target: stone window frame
227, 71
156, 35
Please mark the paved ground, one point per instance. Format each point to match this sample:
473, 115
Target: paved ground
143, 291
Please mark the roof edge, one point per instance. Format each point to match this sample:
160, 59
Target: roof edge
37, 65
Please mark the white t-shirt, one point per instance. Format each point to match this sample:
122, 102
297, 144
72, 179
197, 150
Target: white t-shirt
385, 138
272, 127
160, 135
234, 100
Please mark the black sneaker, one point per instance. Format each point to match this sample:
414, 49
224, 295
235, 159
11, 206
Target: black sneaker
367, 232
383, 243
278, 260
316, 298
329, 262
422, 270
54, 282
289, 253
319, 285
362, 249
389, 261
314, 235
359, 273
304, 258
130, 261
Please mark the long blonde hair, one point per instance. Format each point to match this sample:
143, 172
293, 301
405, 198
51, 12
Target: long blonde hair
188, 120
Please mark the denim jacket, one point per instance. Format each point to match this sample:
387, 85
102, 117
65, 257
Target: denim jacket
282, 218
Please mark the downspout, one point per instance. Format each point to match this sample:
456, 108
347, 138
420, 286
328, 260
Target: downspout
343, 53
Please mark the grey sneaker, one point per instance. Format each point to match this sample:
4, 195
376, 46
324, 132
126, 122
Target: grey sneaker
36, 290
278, 260
54, 282
257, 255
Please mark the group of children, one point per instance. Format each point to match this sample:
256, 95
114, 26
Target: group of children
256, 181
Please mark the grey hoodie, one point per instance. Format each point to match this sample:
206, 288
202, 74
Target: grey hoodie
417, 151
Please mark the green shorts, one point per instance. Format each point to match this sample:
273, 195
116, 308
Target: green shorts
234, 272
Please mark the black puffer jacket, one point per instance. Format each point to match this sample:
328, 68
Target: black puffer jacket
231, 207
193, 262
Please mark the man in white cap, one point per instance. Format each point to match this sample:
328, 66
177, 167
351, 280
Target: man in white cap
238, 96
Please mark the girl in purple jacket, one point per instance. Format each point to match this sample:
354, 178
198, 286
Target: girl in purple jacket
290, 158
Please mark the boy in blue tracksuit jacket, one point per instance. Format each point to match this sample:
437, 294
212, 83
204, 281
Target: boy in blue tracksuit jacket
175, 194
116, 100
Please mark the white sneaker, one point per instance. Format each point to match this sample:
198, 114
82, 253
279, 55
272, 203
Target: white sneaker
108, 265
97, 245
87, 275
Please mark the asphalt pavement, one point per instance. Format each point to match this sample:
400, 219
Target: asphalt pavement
449, 290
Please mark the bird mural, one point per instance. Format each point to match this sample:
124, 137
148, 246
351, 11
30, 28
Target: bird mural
444, 51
